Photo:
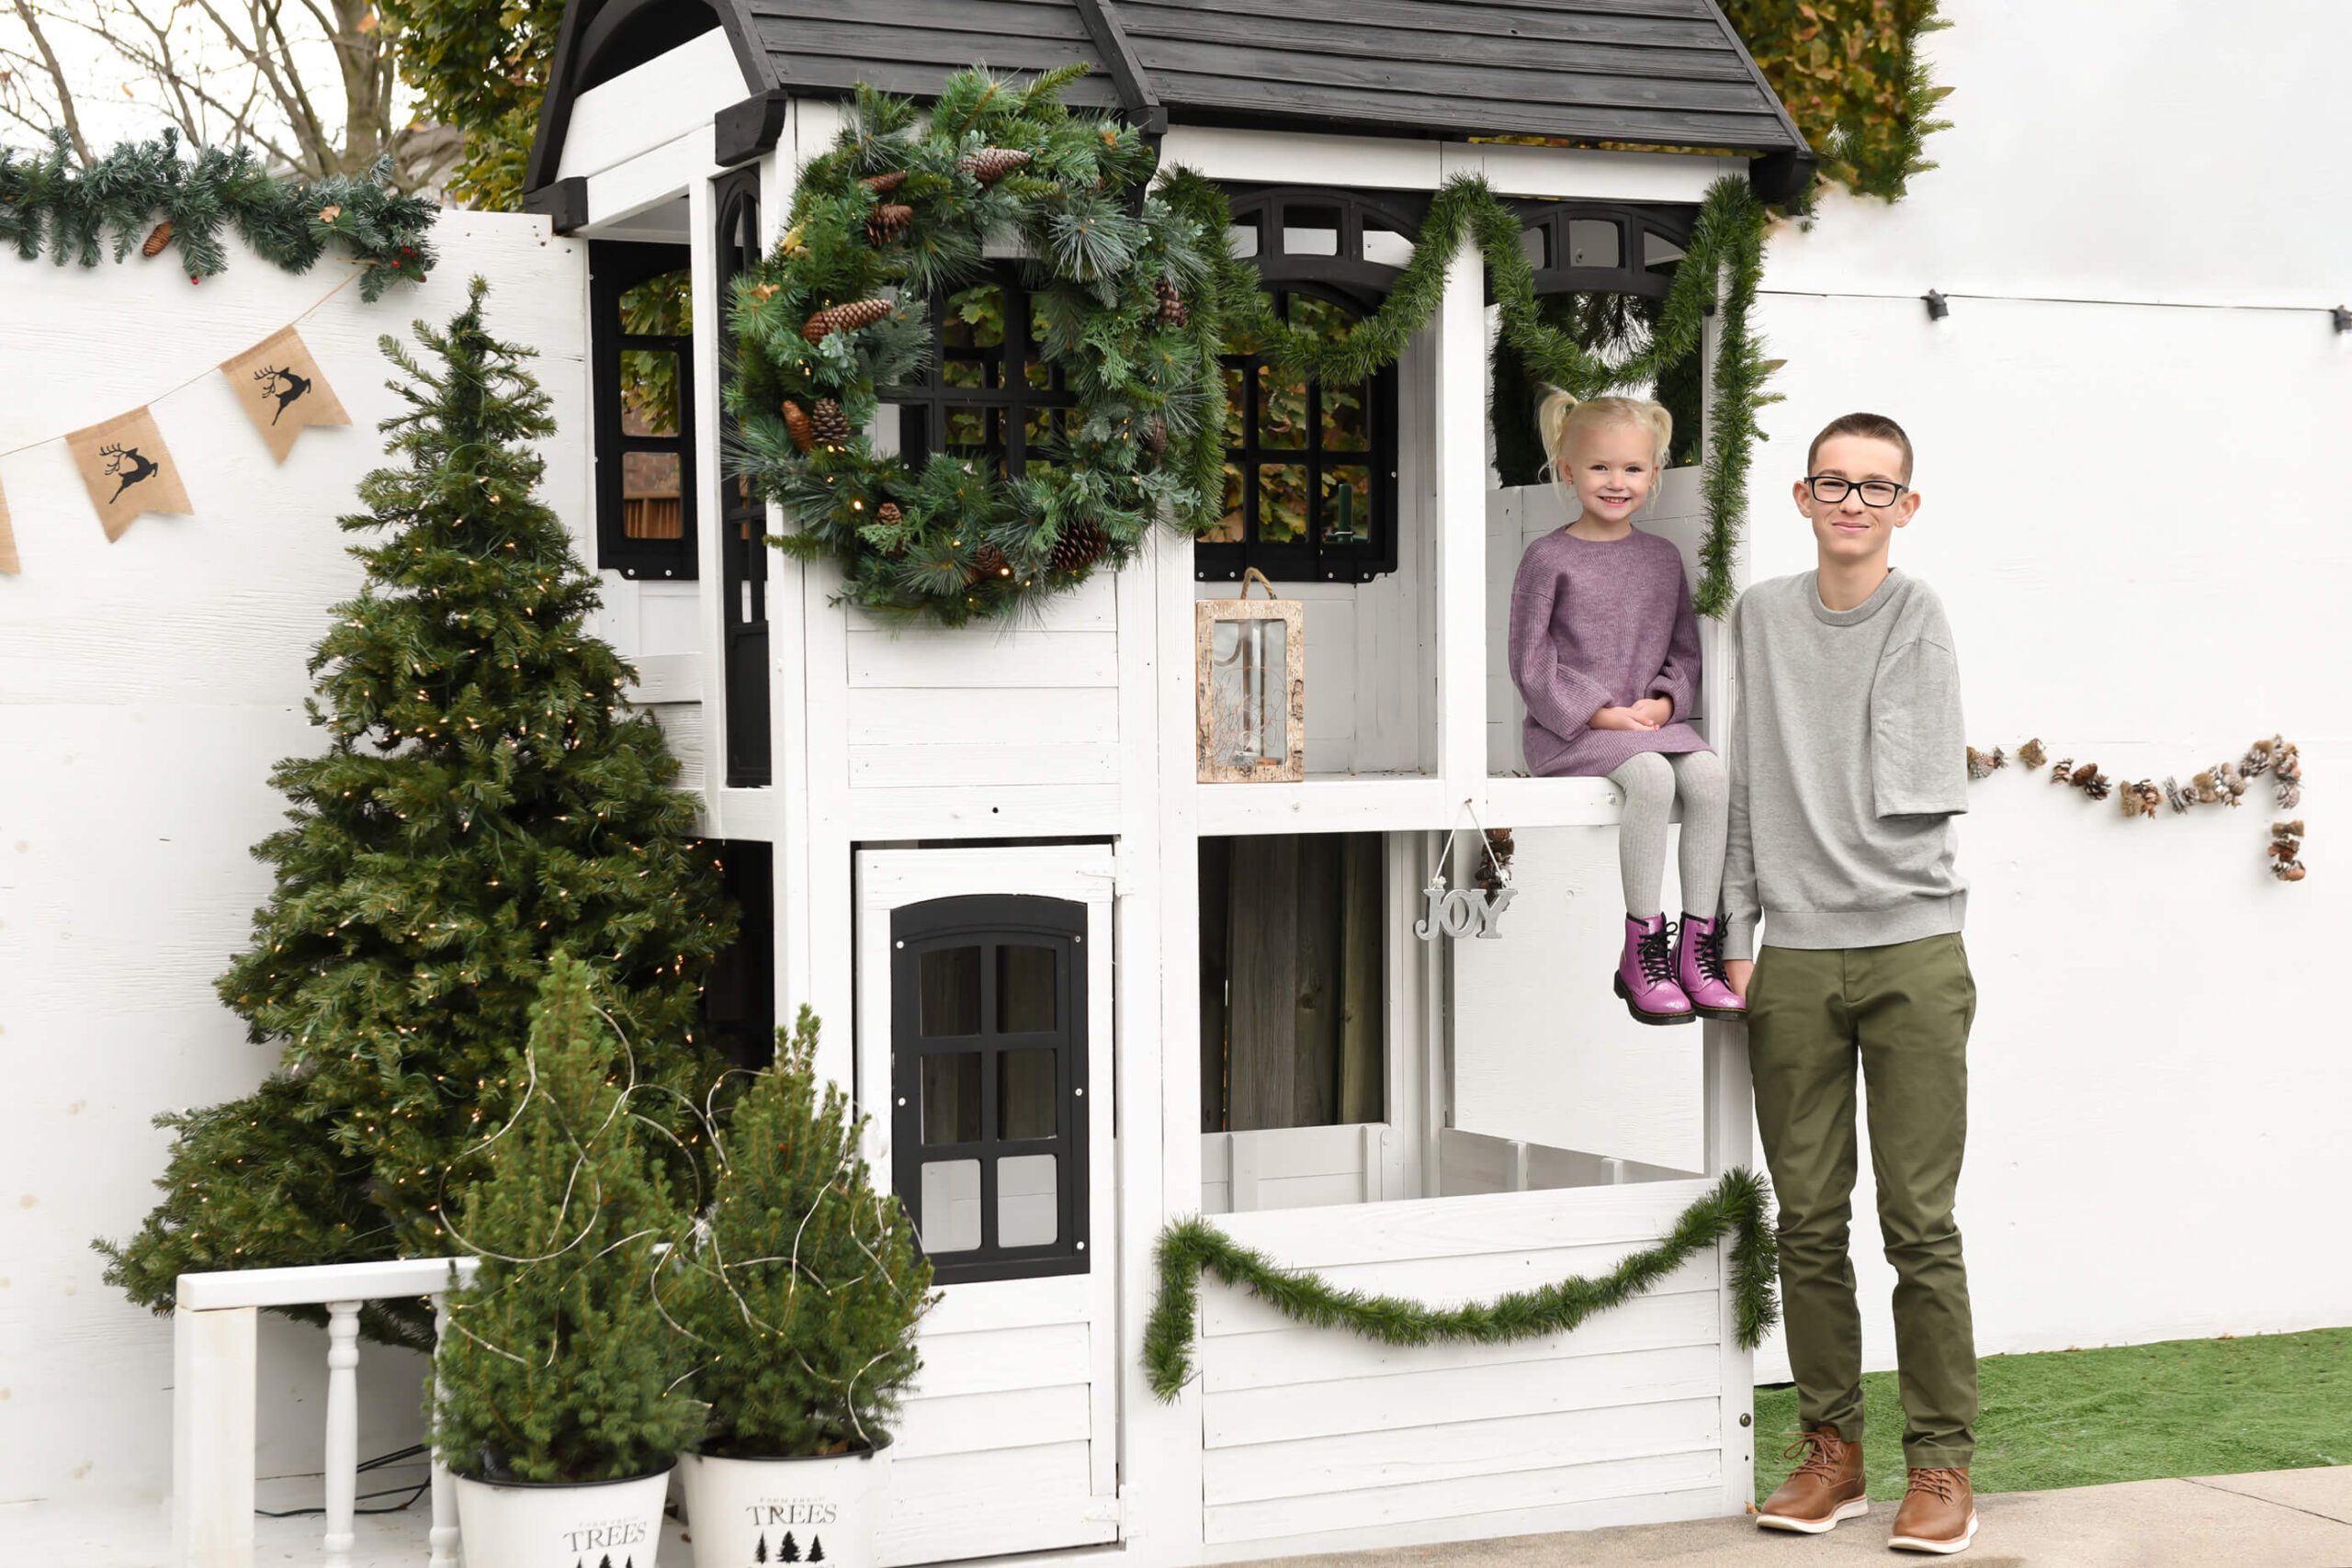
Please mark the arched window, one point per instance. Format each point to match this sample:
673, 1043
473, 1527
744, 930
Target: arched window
1310, 475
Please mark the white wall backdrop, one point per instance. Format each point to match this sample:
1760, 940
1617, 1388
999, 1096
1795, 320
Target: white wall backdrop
146, 686
2136, 513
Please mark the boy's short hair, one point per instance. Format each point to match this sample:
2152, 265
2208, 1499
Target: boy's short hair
1876, 427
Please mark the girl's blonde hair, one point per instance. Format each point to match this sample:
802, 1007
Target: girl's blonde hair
1560, 414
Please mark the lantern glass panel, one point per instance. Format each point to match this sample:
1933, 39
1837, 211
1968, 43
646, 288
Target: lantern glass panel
1250, 692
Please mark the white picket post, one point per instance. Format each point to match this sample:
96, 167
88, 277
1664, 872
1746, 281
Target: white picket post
341, 1478
212, 1437
443, 1538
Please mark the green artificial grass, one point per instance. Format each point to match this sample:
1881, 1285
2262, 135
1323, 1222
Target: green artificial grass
2133, 1413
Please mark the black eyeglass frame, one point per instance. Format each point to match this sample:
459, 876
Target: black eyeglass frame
1812, 482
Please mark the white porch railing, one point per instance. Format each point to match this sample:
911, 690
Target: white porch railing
214, 1336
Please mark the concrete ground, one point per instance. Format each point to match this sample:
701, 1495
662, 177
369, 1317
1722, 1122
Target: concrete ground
2285, 1518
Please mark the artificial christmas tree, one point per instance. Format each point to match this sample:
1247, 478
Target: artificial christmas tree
484, 799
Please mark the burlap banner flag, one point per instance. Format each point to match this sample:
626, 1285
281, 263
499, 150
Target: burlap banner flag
282, 389
8, 540
128, 469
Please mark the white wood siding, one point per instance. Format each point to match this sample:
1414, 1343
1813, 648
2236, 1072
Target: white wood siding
1316, 1439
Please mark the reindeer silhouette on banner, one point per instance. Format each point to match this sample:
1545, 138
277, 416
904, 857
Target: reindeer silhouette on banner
126, 465
295, 386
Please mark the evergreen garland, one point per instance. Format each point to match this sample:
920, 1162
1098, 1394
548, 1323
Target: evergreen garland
143, 189
1736, 1208
484, 795
898, 213
1728, 237
1139, 299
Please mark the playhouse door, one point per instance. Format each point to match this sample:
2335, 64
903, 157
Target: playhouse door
984, 1059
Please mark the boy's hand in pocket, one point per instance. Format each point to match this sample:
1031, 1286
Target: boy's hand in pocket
1737, 971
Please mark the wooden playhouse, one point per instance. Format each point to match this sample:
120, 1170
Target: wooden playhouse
1092, 995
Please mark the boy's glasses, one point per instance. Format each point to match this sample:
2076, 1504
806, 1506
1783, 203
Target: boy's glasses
1831, 489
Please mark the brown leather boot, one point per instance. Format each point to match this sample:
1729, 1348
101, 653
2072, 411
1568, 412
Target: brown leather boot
1938, 1513
1828, 1488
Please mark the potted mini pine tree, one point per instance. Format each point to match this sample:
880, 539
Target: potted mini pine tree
559, 1404
800, 1294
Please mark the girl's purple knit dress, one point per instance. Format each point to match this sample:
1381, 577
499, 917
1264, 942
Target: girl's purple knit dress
1596, 626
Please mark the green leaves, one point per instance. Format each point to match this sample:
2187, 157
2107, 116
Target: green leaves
1736, 1208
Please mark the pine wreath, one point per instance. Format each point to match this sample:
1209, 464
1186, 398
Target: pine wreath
841, 316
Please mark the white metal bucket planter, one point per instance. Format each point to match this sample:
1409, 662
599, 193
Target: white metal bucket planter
819, 1509
560, 1524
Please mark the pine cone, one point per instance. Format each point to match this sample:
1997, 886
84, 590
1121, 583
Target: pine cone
795, 421
1079, 546
2062, 770
828, 422
1979, 766
991, 164
886, 223
1171, 305
987, 561
1155, 436
158, 239
2031, 755
846, 317
883, 185
889, 515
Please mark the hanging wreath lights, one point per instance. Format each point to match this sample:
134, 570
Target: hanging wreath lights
1137, 293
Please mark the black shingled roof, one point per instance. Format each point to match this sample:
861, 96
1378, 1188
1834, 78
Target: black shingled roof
1651, 72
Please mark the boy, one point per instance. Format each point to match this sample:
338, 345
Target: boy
1848, 764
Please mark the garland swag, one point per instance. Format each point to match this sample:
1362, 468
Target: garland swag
289, 222
1137, 295
1736, 1208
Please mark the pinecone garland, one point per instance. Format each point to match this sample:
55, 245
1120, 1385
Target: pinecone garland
1079, 546
883, 185
1173, 312
795, 422
888, 223
828, 422
991, 164
843, 318
157, 239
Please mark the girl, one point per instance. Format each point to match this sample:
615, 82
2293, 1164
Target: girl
1605, 650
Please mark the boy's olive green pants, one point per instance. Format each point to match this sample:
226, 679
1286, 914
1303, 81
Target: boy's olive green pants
1902, 1014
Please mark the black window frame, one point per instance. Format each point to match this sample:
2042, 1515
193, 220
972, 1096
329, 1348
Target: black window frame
1345, 278
990, 921
742, 515
614, 266
1557, 272
925, 405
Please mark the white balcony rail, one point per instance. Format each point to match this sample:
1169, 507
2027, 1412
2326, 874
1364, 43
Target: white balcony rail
214, 1336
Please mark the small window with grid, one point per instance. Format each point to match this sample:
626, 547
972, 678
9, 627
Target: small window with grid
642, 347
989, 396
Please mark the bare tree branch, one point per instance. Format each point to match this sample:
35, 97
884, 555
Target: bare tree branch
65, 109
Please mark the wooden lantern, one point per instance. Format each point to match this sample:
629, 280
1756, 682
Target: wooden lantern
1250, 670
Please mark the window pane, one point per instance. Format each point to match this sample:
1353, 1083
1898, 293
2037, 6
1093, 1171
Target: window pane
951, 1205
1593, 243
1347, 504
951, 992
1228, 528
1347, 424
1311, 231
650, 500
951, 1097
1026, 991
1282, 409
1536, 245
662, 306
971, 337
1026, 1191
1386, 245
649, 393
1281, 501
1024, 1094
1243, 234
1045, 427
1322, 317
1658, 251
1034, 365
1236, 409
973, 432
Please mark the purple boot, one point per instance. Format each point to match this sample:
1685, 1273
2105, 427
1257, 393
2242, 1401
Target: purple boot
1699, 969
1646, 973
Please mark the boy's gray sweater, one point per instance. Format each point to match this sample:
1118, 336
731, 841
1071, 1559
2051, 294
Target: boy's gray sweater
1848, 761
